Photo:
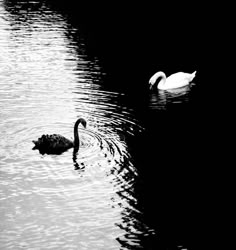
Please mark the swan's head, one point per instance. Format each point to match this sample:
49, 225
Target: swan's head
83, 122
150, 83
153, 79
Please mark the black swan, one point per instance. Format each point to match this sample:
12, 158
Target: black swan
56, 144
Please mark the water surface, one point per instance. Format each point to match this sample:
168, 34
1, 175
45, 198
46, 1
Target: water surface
69, 201
66, 201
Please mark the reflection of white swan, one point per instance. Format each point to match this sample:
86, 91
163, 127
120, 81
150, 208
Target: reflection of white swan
176, 80
172, 96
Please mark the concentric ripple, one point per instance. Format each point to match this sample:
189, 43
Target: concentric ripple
75, 200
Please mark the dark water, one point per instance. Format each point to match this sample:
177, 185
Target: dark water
132, 184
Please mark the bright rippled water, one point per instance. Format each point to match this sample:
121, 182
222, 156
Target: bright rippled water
69, 201
66, 201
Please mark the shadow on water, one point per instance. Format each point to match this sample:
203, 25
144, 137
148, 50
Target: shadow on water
126, 187
88, 197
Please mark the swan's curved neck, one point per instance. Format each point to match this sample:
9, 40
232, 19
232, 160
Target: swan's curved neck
76, 133
157, 75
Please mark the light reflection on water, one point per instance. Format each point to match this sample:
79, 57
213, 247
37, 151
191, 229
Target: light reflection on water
60, 201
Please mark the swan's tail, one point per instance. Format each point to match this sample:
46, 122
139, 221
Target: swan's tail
193, 75
35, 145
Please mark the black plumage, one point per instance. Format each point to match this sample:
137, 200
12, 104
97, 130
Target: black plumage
56, 143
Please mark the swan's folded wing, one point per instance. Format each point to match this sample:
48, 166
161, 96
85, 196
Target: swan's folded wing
59, 142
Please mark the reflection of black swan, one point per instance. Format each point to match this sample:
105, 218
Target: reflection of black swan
57, 143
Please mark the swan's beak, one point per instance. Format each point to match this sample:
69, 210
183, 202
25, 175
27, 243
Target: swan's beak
150, 85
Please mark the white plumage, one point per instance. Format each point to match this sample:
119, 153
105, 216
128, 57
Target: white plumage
176, 80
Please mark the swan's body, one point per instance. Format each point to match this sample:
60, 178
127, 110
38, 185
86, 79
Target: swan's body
176, 80
56, 143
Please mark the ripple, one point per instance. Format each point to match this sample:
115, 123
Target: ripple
164, 98
82, 200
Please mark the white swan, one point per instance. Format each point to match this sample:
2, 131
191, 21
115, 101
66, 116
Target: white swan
176, 80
